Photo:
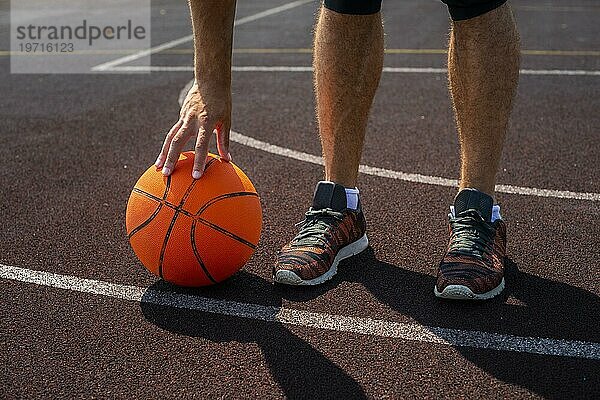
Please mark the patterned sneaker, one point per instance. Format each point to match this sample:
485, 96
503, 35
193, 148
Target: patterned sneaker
329, 233
473, 267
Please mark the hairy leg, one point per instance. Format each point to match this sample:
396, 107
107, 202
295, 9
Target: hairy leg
348, 59
483, 69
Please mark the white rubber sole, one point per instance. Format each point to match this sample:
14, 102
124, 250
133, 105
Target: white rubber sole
461, 292
290, 278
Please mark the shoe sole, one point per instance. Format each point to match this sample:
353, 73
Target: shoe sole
290, 278
461, 292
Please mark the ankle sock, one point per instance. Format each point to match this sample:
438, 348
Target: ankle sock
352, 198
495, 212
332, 195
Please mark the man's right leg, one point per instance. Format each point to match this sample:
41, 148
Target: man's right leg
348, 59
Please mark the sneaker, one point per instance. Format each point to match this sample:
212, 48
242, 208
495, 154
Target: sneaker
473, 267
329, 233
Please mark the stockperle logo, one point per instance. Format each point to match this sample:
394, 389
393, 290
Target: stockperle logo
74, 36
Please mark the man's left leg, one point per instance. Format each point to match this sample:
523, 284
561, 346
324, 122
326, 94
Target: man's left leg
483, 69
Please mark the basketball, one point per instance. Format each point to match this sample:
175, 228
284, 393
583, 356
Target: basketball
194, 232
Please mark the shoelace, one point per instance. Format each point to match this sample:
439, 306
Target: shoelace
313, 230
471, 235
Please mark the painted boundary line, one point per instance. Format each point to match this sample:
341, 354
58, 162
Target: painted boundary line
110, 66
387, 173
404, 176
549, 7
331, 322
285, 68
306, 50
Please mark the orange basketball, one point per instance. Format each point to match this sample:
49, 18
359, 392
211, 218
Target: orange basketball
194, 232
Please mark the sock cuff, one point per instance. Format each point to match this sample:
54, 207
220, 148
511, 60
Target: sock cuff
348, 190
352, 199
495, 212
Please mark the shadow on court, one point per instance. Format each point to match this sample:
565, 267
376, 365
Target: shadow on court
299, 369
543, 308
547, 309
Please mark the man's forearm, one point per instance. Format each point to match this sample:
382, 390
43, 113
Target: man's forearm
212, 22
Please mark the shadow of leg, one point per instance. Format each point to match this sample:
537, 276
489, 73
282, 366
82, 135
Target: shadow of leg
549, 309
299, 369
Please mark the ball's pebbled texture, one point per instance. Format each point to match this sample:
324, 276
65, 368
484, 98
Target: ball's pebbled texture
194, 232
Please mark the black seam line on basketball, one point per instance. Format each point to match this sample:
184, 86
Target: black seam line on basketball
154, 214
187, 192
194, 181
164, 246
191, 187
197, 253
164, 198
226, 232
164, 202
145, 223
167, 187
223, 197
208, 164
178, 209
148, 195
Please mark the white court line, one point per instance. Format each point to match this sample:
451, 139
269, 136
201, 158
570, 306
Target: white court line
422, 70
387, 173
285, 68
542, 7
332, 322
411, 70
404, 176
109, 66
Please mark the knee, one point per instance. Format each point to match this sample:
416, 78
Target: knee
353, 7
466, 9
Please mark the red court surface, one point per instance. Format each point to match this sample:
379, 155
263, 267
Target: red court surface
81, 318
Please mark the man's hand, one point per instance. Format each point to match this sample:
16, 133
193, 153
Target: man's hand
207, 106
202, 113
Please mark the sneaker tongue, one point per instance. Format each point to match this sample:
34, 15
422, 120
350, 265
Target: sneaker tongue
329, 195
472, 199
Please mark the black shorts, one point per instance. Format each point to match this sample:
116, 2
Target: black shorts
459, 9
466, 9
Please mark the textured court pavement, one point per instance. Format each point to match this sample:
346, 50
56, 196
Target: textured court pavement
73, 146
